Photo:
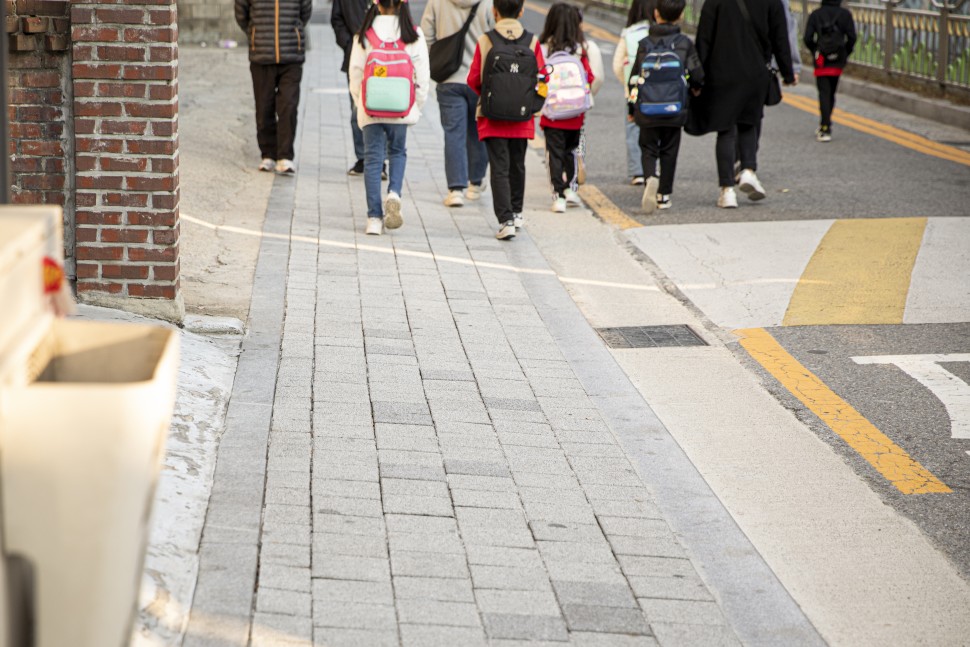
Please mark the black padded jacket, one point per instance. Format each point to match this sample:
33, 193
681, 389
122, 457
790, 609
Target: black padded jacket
275, 29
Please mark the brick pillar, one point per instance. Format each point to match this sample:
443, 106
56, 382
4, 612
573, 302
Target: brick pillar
41, 137
125, 73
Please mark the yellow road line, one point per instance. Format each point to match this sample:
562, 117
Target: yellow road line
605, 209
889, 459
859, 274
892, 134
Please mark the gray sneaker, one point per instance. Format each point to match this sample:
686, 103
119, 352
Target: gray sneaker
506, 231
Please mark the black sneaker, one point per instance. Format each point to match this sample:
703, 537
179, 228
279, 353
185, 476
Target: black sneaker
384, 172
357, 168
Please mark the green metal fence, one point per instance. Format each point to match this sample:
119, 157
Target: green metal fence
932, 44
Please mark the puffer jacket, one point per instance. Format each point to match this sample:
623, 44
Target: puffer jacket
275, 29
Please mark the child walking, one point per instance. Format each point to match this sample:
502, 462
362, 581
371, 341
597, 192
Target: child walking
637, 27
830, 36
504, 74
389, 82
665, 59
570, 96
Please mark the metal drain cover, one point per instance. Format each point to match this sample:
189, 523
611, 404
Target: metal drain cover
650, 336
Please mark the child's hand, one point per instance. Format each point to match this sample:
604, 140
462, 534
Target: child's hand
695, 91
629, 118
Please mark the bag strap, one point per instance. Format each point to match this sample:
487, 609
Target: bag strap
469, 19
743, 6
376, 42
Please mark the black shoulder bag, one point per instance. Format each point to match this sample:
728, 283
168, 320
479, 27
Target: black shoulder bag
445, 55
774, 85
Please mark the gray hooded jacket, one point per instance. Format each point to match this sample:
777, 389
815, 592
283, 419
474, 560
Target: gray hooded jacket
442, 18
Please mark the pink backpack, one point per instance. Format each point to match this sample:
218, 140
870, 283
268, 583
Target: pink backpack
388, 87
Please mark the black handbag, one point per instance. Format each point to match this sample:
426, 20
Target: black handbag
445, 55
773, 97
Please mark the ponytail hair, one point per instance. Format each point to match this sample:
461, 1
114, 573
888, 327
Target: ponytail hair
563, 30
409, 33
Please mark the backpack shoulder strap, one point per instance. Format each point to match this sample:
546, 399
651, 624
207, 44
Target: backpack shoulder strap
372, 38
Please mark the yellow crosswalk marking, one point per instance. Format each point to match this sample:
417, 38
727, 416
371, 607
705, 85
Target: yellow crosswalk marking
605, 209
859, 274
889, 459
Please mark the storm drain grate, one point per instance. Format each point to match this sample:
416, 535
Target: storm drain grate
650, 336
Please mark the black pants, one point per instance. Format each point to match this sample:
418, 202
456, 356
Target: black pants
506, 162
561, 147
826, 97
659, 143
277, 92
740, 142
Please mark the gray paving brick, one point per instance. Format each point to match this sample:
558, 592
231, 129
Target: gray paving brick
698, 612
287, 533
284, 554
594, 593
287, 496
350, 545
278, 601
437, 612
428, 564
634, 527
670, 588
448, 542
658, 546
607, 619
280, 630
351, 567
476, 468
457, 442
656, 566
349, 489
557, 531
542, 627
504, 556
558, 496
688, 635
529, 603
279, 576
585, 572
414, 488
433, 588
636, 509
512, 578
593, 552
353, 615
347, 506
397, 523
341, 524
528, 440
585, 639
485, 499
379, 592
581, 513
423, 505
437, 636
503, 536
548, 481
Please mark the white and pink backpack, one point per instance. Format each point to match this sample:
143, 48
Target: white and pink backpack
388, 87
569, 92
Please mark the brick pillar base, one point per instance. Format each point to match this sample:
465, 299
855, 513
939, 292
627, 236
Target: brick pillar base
125, 71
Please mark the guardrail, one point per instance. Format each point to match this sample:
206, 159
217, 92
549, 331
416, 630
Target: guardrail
930, 44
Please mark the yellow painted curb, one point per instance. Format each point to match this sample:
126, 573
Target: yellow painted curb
889, 459
605, 209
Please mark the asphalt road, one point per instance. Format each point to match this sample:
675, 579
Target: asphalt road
857, 176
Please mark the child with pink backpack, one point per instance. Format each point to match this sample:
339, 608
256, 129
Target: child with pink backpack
389, 81
569, 96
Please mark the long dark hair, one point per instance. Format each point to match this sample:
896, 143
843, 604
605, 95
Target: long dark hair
563, 30
408, 33
640, 10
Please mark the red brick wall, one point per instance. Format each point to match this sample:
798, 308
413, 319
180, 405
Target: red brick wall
41, 139
125, 84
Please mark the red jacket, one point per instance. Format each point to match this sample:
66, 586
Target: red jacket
575, 123
492, 127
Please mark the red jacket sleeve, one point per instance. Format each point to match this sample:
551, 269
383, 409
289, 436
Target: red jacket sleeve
474, 79
539, 58
589, 70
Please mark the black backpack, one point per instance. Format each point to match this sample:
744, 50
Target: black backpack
831, 42
661, 90
509, 79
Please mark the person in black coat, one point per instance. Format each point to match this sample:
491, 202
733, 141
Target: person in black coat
346, 17
830, 37
735, 52
275, 30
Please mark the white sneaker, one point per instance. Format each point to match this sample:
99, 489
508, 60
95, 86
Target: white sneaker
474, 191
748, 183
637, 180
285, 167
823, 134
648, 203
454, 198
728, 198
572, 198
375, 227
558, 205
267, 165
392, 211
506, 231
663, 201
518, 220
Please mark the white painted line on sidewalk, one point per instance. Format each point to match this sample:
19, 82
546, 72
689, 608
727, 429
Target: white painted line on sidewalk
414, 254
939, 289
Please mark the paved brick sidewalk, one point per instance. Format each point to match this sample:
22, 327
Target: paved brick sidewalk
429, 469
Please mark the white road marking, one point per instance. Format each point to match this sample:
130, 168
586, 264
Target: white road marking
953, 392
940, 288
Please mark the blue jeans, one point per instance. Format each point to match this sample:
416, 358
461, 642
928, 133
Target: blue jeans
634, 164
379, 138
465, 156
